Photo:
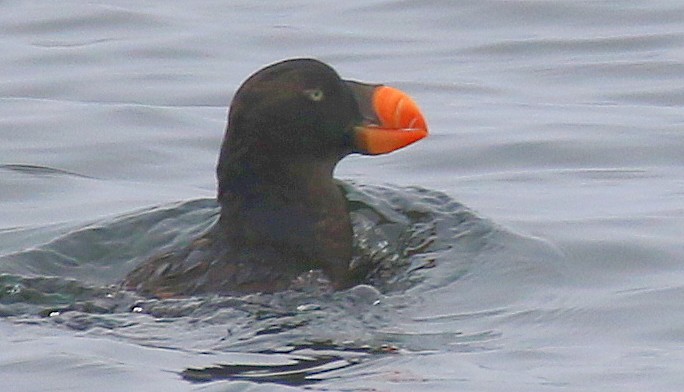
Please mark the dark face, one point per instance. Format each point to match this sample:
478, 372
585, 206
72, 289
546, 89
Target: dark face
294, 108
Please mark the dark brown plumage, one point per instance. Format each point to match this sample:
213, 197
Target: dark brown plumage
282, 213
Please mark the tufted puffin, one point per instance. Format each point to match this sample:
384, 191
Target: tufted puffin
281, 211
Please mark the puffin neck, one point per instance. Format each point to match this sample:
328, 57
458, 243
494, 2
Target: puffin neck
294, 206
298, 178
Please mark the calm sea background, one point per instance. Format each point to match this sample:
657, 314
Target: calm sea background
559, 124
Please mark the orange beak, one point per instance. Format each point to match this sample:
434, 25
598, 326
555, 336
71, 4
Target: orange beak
394, 120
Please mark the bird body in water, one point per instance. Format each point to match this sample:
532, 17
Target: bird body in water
282, 213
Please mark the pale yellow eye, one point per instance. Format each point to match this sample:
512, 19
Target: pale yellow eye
315, 94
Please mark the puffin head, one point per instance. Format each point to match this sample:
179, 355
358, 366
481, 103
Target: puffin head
301, 110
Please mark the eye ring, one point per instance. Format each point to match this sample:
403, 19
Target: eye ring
315, 94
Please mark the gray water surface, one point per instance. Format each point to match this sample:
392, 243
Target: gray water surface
552, 187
